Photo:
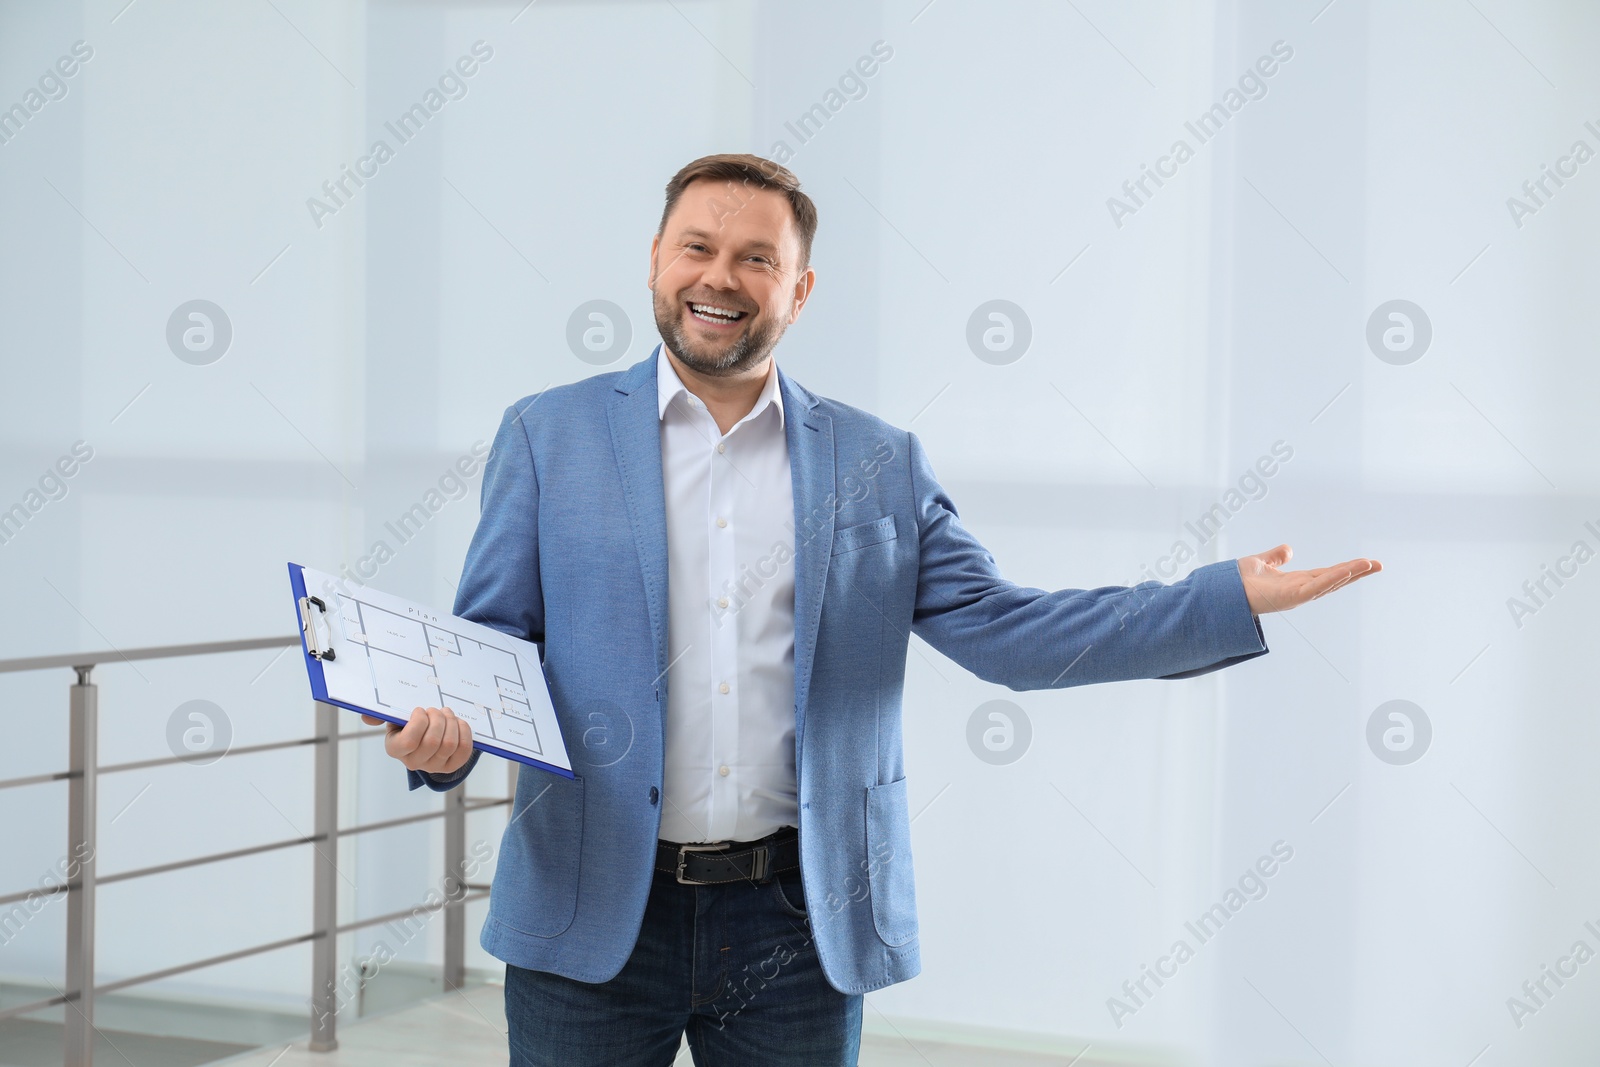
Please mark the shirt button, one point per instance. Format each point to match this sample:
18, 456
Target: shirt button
655, 794
723, 688
723, 770
722, 601
722, 446
721, 521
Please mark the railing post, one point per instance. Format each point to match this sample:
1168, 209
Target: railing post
325, 884
83, 760
455, 887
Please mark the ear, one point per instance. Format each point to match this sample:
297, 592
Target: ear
802, 292
650, 278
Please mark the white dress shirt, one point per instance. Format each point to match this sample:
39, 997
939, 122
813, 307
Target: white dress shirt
730, 589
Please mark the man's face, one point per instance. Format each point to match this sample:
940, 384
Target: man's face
727, 247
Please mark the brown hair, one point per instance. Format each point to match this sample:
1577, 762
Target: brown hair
752, 171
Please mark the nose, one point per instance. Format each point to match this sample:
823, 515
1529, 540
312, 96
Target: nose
719, 273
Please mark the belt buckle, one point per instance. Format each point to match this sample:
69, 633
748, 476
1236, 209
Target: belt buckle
683, 858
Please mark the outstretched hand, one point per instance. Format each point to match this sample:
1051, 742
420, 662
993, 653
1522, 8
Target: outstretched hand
1270, 589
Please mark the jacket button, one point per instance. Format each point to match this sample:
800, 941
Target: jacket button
655, 794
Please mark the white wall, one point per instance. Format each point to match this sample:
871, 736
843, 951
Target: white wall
1227, 313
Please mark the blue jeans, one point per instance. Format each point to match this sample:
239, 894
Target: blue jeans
734, 964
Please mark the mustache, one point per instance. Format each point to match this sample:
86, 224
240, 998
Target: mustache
721, 302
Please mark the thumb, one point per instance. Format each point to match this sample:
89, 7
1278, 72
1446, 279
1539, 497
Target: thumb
1276, 557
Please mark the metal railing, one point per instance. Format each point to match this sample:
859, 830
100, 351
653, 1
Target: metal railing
82, 778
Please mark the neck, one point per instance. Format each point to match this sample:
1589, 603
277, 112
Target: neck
729, 398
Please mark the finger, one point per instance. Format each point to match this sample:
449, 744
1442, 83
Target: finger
1277, 557
438, 721
1356, 568
405, 741
463, 748
463, 743
1339, 582
449, 740
1359, 564
1330, 578
371, 720
1372, 567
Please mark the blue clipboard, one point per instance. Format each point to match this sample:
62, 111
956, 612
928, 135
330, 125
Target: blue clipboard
319, 685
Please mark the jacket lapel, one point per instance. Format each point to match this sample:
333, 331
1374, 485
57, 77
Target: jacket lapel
635, 416
810, 437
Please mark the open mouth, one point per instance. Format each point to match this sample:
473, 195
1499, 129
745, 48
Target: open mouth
715, 314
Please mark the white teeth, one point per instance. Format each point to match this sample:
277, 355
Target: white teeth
708, 309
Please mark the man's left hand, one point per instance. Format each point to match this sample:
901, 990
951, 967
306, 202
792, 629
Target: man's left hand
1270, 589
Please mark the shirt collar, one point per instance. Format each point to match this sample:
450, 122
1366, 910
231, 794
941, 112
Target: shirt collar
669, 385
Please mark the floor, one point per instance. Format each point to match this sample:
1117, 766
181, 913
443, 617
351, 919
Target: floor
141, 1031
469, 1028
137, 1029
31, 1043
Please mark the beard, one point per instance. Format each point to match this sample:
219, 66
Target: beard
748, 347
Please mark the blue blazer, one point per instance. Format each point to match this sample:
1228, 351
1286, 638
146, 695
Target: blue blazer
571, 553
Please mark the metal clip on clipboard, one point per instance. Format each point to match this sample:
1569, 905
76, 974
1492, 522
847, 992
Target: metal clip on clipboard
308, 627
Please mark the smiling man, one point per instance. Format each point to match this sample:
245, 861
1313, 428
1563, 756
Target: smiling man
723, 571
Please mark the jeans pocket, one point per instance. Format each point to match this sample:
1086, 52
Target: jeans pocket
790, 894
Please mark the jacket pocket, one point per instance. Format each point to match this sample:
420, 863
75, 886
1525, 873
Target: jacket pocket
894, 901
863, 534
547, 871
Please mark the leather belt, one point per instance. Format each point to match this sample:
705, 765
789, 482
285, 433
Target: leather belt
720, 862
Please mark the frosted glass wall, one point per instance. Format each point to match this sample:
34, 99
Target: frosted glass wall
1155, 284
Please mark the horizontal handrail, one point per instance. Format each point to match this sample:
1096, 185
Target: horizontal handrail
37, 779
308, 839
233, 854
237, 954
162, 761
345, 928
112, 768
210, 961
43, 891
470, 805
213, 857
90, 659
37, 1005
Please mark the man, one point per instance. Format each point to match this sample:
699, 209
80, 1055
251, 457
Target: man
723, 570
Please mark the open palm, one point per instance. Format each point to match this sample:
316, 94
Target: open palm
1268, 588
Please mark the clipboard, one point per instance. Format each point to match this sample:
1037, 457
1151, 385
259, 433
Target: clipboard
377, 654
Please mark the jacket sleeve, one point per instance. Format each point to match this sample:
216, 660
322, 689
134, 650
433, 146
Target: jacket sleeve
500, 585
1026, 638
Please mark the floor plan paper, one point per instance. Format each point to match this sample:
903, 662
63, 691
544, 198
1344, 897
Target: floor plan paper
392, 655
